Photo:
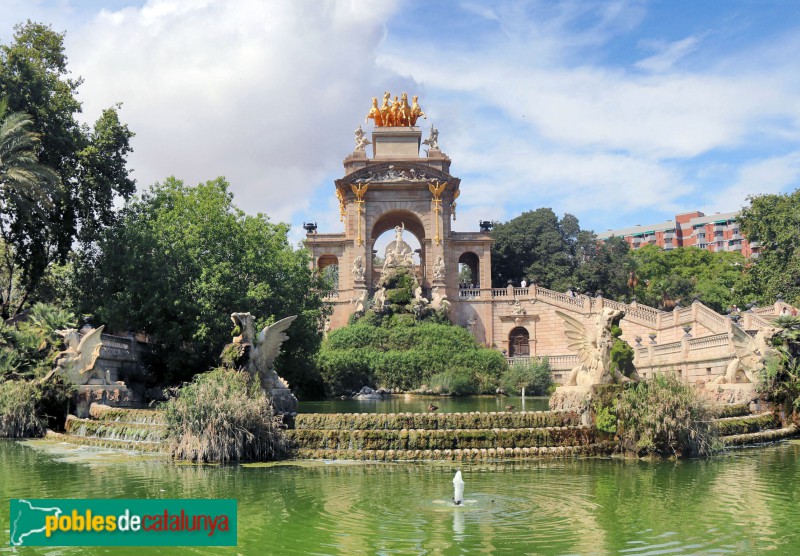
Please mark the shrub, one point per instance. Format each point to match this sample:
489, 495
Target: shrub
19, 417
458, 382
223, 416
535, 378
664, 416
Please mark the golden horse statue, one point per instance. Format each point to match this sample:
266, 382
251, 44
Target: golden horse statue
375, 113
416, 112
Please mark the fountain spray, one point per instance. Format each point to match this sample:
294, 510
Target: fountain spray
458, 488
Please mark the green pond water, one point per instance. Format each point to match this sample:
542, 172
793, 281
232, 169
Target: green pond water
742, 502
419, 404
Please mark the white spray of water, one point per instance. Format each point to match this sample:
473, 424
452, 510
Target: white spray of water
458, 488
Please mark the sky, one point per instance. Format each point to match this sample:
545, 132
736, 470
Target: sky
619, 112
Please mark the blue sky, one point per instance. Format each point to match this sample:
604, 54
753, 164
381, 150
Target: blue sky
617, 112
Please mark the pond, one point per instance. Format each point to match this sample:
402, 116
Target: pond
742, 502
419, 404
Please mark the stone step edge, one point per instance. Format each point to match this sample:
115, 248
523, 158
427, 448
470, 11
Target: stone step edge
596, 449
126, 445
761, 437
564, 428
116, 423
748, 417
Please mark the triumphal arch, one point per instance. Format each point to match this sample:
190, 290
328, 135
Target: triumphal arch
405, 186
395, 182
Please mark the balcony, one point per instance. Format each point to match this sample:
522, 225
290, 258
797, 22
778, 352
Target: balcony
669, 235
668, 247
734, 247
702, 245
719, 227
737, 236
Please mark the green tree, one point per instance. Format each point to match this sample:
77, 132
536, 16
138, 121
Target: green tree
537, 246
26, 188
90, 162
774, 222
680, 275
534, 378
602, 266
180, 259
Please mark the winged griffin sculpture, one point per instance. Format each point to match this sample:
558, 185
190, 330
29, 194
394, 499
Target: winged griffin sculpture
593, 346
264, 349
78, 360
751, 354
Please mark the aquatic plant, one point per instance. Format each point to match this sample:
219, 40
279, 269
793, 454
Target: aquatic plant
223, 416
19, 417
664, 416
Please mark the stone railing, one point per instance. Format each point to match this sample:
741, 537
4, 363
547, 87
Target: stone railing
558, 298
756, 321
469, 293
667, 349
708, 342
556, 362
499, 292
332, 295
710, 318
644, 314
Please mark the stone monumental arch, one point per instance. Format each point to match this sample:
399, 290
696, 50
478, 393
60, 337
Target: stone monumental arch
405, 185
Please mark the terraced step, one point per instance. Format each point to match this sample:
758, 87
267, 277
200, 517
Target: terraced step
725, 410
128, 445
115, 430
596, 449
100, 412
761, 437
445, 439
435, 421
731, 426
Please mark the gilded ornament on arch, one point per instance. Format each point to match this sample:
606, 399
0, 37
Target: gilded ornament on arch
359, 190
342, 204
436, 188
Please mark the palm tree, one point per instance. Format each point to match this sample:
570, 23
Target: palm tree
25, 187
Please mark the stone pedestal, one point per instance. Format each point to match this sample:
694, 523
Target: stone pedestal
396, 142
113, 395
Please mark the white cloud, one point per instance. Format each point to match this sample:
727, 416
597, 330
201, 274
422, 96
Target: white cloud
769, 175
667, 54
265, 93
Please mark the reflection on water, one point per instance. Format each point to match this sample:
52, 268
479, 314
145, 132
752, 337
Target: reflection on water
743, 502
419, 404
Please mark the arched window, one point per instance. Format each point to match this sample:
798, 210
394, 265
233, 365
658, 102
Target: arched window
328, 267
468, 273
519, 343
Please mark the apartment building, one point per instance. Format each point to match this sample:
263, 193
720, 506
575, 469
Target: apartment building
715, 232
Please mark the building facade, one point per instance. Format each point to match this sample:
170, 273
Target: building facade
716, 232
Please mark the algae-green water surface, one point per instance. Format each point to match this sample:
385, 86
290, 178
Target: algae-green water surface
742, 502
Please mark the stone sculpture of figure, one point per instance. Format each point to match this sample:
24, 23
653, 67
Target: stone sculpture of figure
360, 300
375, 113
433, 140
517, 309
751, 356
386, 110
77, 362
419, 301
265, 348
438, 268
361, 139
403, 112
398, 234
593, 345
416, 111
439, 301
389, 261
358, 268
394, 112
379, 301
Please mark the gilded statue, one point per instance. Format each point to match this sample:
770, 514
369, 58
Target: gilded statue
395, 113
416, 111
375, 113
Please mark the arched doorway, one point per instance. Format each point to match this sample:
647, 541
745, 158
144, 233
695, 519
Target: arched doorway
519, 343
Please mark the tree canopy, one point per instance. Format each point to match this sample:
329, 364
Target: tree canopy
774, 221
90, 162
535, 245
180, 259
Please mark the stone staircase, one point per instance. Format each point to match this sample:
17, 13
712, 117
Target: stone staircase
419, 436
737, 426
445, 436
140, 430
